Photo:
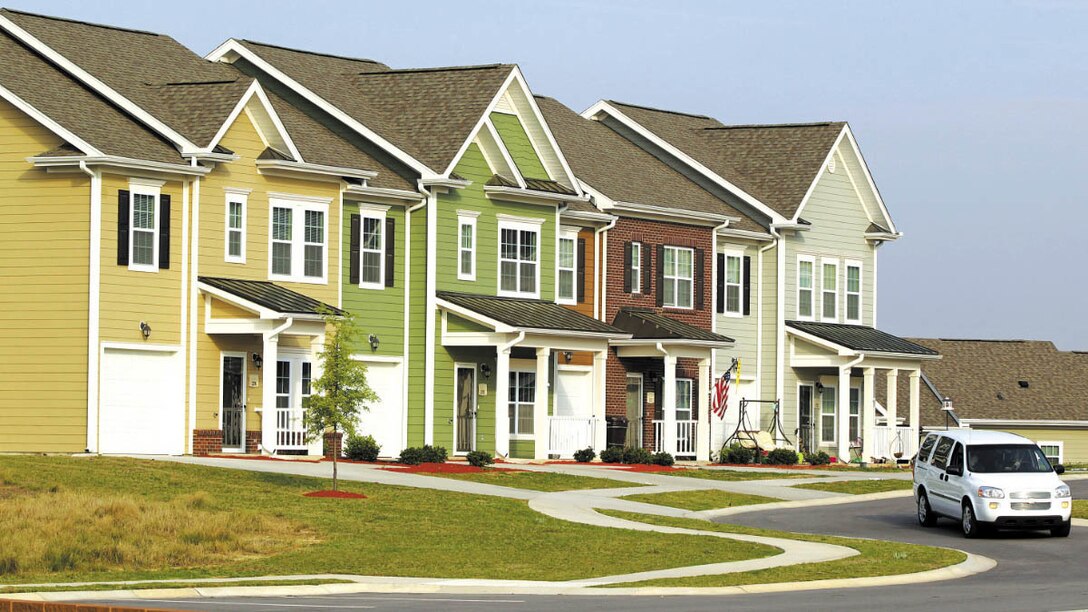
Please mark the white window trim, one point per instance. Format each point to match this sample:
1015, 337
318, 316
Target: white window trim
830, 261
690, 395
1060, 444
572, 235
666, 278
299, 205
636, 267
850, 263
834, 416
850, 413
739, 256
507, 222
241, 196
517, 413
147, 188
467, 217
379, 213
812, 260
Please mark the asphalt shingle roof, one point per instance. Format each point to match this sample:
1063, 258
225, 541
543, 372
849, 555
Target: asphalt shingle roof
528, 313
646, 324
271, 296
861, 338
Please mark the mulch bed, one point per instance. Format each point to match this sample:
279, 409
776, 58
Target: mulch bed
641, 467
442, 468
335, 494
264, 458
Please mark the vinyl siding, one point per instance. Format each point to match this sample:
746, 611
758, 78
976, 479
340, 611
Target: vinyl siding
43, 297
771, 329
457, 324
209, 401
743, 328
417, 337
444, 399
378, 311
518, 144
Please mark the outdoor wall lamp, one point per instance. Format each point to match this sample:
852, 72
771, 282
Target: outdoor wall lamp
485, 370
819, 387
946, 405
258, 361
145, 329
374, 341
568, 356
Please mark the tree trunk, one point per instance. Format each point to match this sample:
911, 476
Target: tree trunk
334, 471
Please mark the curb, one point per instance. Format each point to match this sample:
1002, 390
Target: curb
802, 503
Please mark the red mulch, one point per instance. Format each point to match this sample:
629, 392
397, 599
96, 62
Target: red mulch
441, 468
336, 494
641, 467
260, 458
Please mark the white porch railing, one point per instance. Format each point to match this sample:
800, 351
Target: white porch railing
290, 430
889, 440
685, 438
567, 434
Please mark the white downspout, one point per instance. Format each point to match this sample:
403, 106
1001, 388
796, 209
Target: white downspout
94, 274
600, 284
432, 285
194, 272
780, 339
407, 305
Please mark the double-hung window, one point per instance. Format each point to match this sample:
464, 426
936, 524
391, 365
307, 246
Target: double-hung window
521, 398
829, 297
1052, 449
143, 223
235, 226
519, 258
371, 249
678, 273
636, 267
855, 413
566, 274
828, 424
734, 284
853, 292
298, 240
466, 245
806, 273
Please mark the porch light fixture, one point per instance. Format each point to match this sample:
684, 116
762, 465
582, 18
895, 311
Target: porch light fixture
374, 341
145, 329
946, 405
568, 356
258, 361
819, 387
485, 371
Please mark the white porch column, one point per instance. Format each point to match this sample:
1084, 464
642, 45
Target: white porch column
668, 406
843, 410
502, 398
868, 415
600, 390
540, 407
915, 403
269, 356
891, 408
316, 447
702, 426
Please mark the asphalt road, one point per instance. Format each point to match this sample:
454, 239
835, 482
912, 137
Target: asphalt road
1034, 572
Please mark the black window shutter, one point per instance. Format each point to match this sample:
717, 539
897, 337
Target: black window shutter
164, 232
660, 275
390, 250
122, 227
353, 251
647, 271
700, 285
720, 284
747, 280
627, 267
581, 263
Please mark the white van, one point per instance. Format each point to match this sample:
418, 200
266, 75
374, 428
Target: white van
989, 480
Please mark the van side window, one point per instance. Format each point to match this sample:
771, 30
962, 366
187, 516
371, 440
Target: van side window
941, 452
927, 447
956, 460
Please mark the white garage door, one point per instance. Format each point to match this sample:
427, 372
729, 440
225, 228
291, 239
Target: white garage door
142, 408
385, 419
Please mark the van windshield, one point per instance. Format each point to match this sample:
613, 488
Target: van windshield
1006, 458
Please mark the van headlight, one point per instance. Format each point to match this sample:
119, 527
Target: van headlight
991, 492
1063, 491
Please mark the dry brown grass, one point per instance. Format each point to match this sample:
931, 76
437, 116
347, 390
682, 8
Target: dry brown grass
61, 531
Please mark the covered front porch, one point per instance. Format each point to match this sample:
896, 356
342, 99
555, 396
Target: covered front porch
836, 368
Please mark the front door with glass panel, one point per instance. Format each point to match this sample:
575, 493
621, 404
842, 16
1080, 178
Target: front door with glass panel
233, 407
634, 410
806, 425
292, 392
466, 408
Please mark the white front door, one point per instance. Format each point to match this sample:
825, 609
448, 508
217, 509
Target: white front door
232, 408
142, 410
293, 375
385, 418
464, 398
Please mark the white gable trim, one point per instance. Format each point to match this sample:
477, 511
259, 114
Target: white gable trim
479, 125
243, 104
604, 107
48, 123
819, 175
869, 180
232, 49
504, 153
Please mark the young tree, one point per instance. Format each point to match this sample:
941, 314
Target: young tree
341, 391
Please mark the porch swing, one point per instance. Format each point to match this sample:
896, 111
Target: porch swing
752, 434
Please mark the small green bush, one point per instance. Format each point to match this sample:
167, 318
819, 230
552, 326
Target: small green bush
637, 455
820, 458
663, 458
737, 454
612, 454
585, 455
480, 458
781, 456
362, 448
426, 454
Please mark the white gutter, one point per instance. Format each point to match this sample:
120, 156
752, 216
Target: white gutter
307, 168
121, 162
94, 274
780, 315
1033, 423
673, 213
600, 275
382, 192
515, 194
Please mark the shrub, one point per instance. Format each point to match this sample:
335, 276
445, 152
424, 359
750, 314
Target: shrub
637, 454
362, 448
663, 458
612, 454
736, 453
820, 458
425, 454
480, 458
782, 456
585, 455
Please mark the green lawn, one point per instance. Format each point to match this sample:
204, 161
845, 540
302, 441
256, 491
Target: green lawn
859, 487
737, 475
1080, 509
538, 481
396, 531
877, 558
706, 499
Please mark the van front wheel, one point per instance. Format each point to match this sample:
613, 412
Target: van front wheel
1062, 531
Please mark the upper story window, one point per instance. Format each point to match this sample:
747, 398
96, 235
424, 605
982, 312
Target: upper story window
732, 285
519, 257
567, 269
853, 292
829, 297
298, 239
634, 264
143, 226
145, 230
466, 245
371, 249
235, 226
806, 271
678, 277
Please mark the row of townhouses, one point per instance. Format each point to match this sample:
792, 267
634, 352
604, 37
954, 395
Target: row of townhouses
529, 280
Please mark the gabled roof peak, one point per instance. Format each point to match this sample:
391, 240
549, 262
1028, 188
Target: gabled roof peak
764, 126
661, 110
77, 21
308, 52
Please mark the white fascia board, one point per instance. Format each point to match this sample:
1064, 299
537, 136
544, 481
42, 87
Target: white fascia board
118, 162
819, 175
869, 178
301, 167
907, 356
232, 49
579, 215
1027, 423
230, 298
604, 107
513, 194
565, 333
573, 180
628, 341
383, 193
683, 216
255, 89
48, 123
98, 86
474, 316
838, 349
728, 232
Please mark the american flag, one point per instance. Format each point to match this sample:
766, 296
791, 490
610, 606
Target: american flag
721, 392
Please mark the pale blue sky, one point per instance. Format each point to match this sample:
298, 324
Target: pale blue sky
973, 116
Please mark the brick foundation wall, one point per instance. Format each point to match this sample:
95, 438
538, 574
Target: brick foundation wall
333, 443
207, 442
253, 440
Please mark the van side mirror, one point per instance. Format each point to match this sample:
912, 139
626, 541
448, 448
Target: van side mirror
954, 470
1059, 469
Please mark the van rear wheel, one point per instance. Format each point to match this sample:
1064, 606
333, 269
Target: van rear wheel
926, 517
